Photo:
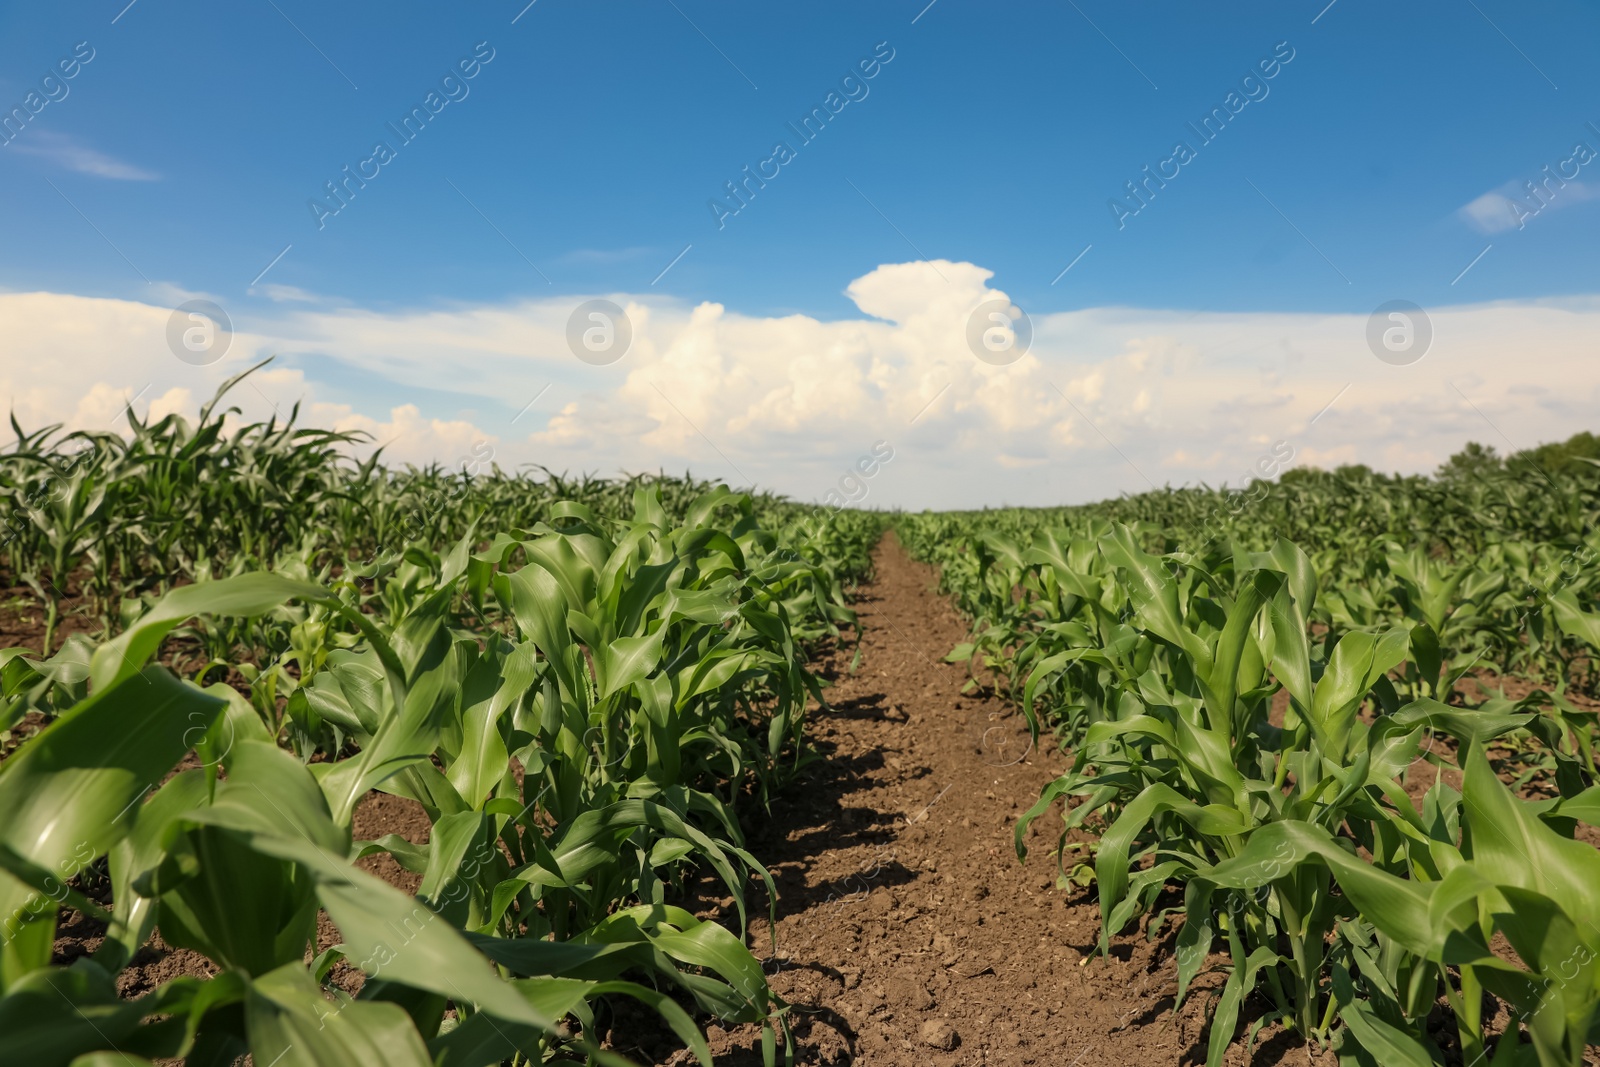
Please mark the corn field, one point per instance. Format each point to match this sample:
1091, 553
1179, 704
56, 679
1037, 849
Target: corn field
585, 685
1252, 687
590, 686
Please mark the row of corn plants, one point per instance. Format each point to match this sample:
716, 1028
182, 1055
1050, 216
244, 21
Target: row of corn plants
1244, 718
90, 520
587, 698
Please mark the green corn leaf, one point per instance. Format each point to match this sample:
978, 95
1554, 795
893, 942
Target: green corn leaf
1427, 655
574, 575
1154, 594
1112, 863
1225, 1020
1396, 906
1470, 727
248, 594
1195, 938
699, 944
1224, 677
449, 842
226, 898
69, 795
627, 660
138, 852
589, 960
482, 761
1573, 620
403, 742
63, 1015
483, 1041
291, 1024
540, 610
1358, 661
392, 936
1584, 807
1291, 646
1387, 1043
1515, 846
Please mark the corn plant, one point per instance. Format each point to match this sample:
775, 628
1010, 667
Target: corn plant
580, 708
1160, 672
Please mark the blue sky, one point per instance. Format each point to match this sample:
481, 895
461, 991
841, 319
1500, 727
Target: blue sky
582, 158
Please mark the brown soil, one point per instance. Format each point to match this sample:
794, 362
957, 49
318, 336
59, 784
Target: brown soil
909, 933
22, 616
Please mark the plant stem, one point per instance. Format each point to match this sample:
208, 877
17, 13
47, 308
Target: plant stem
1305, 983
1469, 1017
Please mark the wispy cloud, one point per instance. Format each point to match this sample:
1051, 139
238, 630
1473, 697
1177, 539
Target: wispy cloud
68, 152
290, 294
602, 257
1510, 206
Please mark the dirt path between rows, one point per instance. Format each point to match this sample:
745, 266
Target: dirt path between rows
909, 933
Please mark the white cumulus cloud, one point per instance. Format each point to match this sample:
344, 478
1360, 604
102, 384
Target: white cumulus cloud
1107, 400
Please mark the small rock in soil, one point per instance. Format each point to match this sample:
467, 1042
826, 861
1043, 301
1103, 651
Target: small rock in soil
936, 1033
913, 994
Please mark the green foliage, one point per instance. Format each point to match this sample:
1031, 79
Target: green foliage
587, 686
1243, 681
